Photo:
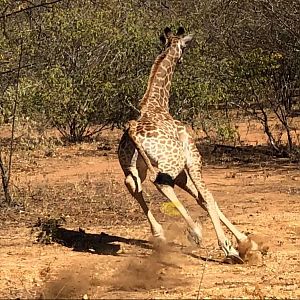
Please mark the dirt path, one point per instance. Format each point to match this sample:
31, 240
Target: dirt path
261, 201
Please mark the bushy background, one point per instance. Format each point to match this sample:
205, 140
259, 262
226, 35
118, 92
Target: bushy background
84, 64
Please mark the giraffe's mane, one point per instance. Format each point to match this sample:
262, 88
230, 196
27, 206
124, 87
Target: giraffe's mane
153, 71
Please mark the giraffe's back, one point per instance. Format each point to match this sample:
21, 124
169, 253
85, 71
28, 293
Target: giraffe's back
159, 137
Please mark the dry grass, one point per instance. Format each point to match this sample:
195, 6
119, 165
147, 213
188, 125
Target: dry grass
81, 203
117, 231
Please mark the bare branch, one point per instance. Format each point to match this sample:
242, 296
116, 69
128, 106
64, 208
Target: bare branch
29, 8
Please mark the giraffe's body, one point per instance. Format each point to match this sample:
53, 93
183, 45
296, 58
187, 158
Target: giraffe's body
157, 140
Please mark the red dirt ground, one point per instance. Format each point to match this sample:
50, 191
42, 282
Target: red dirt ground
85, 186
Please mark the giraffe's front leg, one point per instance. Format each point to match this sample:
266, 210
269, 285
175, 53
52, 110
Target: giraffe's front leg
206, 200
245, 244
204, 197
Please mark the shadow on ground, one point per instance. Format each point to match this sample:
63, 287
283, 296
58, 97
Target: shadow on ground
50, 231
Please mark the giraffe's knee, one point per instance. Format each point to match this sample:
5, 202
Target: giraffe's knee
133, 184
129, 182
165, 179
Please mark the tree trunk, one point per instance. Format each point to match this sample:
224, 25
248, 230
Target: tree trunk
5, 184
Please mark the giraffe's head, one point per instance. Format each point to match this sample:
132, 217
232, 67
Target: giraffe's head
177, 41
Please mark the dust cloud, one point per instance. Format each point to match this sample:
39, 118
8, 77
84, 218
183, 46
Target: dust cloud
70, 283
158, 270
254, 257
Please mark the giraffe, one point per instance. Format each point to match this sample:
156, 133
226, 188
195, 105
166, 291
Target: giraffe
157, 141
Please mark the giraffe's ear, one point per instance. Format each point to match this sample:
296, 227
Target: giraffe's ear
186, 40
167, 32
180, 31
162, 39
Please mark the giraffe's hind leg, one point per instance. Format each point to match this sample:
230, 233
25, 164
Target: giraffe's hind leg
164, 182
135, 172
133, 182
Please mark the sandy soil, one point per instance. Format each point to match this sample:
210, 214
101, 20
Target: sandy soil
85, 187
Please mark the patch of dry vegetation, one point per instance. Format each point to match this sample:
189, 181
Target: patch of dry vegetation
85, 202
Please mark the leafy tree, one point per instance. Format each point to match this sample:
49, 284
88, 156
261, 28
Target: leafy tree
86, 63
255, 45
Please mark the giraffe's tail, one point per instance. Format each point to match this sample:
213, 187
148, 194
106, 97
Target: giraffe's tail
132, 125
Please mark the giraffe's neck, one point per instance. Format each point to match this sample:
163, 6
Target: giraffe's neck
159, 83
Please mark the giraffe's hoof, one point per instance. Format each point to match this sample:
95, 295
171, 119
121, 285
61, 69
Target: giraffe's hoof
194, 237
233, 259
